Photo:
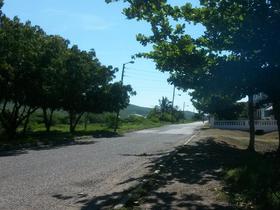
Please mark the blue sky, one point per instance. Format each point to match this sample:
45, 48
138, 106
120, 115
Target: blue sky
93, 24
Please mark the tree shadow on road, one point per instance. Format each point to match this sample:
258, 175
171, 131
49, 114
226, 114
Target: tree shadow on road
192, 165
52, 140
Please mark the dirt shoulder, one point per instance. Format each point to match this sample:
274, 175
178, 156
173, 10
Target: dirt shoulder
239, 139
193, 177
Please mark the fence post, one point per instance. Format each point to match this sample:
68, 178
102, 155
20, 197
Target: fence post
212, 121
247, 124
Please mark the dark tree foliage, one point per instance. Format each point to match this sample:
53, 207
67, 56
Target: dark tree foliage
222, 107
1, 5
250, 30
20, 48
52, 63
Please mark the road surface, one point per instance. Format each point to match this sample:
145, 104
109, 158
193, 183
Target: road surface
68, 177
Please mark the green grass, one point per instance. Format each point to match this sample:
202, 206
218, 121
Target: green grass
60, 135
128, 127
251, 180
124, 127
65, 127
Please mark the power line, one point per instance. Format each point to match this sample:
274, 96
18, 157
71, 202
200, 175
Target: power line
132, 74
145, 71
146, 79
152, 89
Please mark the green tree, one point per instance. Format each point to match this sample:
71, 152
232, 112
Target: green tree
249, 29
52, 66
77, 80
222, 107
245, 31
165, 105
166, 112
41, 71
88, 87
20, 48
1, 5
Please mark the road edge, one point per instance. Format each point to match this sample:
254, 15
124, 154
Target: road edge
141, 183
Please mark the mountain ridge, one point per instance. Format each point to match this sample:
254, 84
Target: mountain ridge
144, 111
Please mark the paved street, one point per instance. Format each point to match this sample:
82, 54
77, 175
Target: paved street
66, 177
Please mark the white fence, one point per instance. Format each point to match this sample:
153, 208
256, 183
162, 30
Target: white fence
264, 125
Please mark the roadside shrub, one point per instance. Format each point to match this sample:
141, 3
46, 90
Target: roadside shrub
96, 118
134, 119
154, 119
36, 117
170, 116
110, 120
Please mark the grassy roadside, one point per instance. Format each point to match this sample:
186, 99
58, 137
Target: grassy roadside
252, 180
216, 172
59, 135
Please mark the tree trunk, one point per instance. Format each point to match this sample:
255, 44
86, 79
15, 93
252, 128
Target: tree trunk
11, 133
48, 119
251, 146
276, 112
77, 120
26, 121
71, 121
25, 125
11, 128
4, 106
11, 120
86, 121
74, 120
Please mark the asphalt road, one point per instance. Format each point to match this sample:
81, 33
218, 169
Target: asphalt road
67, 177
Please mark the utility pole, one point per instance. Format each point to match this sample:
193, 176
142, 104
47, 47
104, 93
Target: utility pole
118, 112
173, 98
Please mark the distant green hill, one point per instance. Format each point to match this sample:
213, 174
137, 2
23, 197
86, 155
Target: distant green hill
144, 111
133, 109
189, 114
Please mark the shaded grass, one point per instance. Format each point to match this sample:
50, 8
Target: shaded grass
254, 182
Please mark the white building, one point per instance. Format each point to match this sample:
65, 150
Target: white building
264, 120
263, 110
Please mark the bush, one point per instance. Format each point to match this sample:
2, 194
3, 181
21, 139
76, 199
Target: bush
60, 117
110, 120
96, 118
154, 119
134, 119
171, 116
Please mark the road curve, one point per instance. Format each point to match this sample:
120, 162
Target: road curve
66, 177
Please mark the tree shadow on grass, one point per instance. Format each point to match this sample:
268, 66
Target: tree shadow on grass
42, 140
196, 164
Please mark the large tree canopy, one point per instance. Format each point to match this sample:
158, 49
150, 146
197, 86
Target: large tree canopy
237, 53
